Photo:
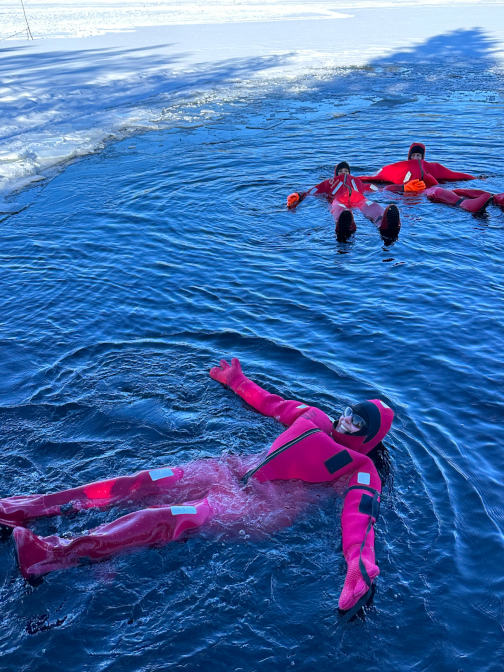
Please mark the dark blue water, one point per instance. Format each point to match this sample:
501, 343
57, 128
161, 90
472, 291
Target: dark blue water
136, 270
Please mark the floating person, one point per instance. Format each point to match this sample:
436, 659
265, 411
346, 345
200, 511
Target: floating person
234, 490
344, 192
428, 174
415, 168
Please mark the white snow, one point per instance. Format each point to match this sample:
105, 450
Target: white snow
96, 72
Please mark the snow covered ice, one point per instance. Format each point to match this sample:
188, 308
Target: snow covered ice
95, 73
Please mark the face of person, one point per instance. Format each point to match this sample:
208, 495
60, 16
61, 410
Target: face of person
343, 171
346, 423
416, 155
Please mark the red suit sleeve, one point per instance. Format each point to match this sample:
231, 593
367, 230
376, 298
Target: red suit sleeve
323, 188
441, 172
397, 188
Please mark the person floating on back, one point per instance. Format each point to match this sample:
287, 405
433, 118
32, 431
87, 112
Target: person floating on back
231, 491
430, 174
345, 191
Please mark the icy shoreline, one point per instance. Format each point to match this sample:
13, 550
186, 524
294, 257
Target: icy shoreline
66, 97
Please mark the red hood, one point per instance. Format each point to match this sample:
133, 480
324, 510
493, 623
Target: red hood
416, 144
379, 417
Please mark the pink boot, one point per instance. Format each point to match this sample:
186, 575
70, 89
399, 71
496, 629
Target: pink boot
150, 527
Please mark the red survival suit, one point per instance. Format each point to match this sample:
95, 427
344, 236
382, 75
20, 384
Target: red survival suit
346, 191
404, 171
471, 200
310, 450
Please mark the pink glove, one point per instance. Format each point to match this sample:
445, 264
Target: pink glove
231, 376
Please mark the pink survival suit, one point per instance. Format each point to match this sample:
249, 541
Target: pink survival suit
346, 191
415, 169
309, 450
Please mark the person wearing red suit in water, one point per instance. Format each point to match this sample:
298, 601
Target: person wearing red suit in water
427, 175
344, 192
314, 449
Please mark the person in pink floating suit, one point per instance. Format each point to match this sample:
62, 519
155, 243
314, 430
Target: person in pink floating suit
429, 174
345, 191
272, 488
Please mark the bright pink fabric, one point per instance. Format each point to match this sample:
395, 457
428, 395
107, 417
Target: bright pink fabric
309, 451
19, 510
155, 526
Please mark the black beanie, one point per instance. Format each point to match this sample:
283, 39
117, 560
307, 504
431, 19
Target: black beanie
341, 164
417, 149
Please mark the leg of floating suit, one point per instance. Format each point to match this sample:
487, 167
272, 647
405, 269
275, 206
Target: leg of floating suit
360, 513
343, 217
150, 527
386, 220
473, 205
16, 511
470, 193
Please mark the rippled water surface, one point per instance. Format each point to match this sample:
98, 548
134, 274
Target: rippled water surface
136, 270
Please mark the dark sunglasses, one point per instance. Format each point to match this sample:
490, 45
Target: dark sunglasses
357, 421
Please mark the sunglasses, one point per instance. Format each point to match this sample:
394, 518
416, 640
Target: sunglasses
357, 421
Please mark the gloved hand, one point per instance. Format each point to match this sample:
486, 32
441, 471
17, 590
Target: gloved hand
414, 186
292, 200
355, 586
228, 375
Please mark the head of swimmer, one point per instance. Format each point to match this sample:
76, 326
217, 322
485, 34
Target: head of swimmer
342, 168
416, 152
350, 422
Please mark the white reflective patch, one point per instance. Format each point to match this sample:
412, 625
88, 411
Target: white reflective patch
407, 176
354, 186
179, 510
312, 191
164, 472
384, 404
369, 202
363, 478
302, 406
336, 188
374, 187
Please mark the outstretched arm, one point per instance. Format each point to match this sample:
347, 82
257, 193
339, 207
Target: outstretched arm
413, 186
324, 188
441, 172
285, 411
